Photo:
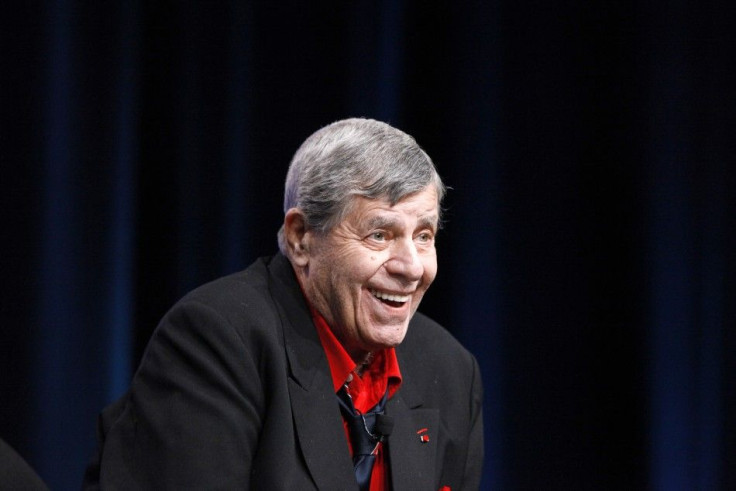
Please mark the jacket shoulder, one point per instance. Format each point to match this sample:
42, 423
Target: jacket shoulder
428, 339
241, 299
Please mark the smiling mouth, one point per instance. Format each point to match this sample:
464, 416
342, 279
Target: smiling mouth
390, 299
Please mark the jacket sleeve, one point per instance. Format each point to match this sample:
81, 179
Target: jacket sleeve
474, 462
193, 414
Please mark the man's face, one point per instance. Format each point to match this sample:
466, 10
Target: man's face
369, 273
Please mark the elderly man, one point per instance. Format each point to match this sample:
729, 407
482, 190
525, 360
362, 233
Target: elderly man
312, 369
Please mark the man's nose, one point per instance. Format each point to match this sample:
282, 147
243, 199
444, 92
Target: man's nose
405, 260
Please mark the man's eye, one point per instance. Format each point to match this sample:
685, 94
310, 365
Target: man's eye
379, 236
424, 237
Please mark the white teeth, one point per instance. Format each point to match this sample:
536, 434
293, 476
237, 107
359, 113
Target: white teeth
390, 298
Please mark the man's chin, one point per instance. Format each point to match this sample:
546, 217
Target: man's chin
388, 337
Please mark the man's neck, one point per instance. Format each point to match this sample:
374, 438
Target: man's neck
365, 363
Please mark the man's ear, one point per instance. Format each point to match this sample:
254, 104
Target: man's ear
296, 236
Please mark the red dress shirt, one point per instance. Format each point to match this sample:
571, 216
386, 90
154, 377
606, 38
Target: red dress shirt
366, 389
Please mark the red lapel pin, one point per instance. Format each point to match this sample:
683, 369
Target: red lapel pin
423, 436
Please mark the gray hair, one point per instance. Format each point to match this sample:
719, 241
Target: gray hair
349, 158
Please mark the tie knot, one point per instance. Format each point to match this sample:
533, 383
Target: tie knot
361, 425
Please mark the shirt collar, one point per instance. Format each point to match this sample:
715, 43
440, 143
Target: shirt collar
341, 364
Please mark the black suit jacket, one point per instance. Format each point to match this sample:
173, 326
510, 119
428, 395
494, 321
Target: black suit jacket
234, 392
15, 473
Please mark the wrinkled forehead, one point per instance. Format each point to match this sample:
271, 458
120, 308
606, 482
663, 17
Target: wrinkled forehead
421, 206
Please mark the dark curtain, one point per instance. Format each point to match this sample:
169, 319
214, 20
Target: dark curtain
588, 255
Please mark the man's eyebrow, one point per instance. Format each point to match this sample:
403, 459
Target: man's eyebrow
380, 221
428, 221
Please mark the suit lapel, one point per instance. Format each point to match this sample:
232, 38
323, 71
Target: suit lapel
412, 460
316, 413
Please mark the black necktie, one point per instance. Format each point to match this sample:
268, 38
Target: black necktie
363, 436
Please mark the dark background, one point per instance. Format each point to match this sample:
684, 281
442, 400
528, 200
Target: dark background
588, 256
